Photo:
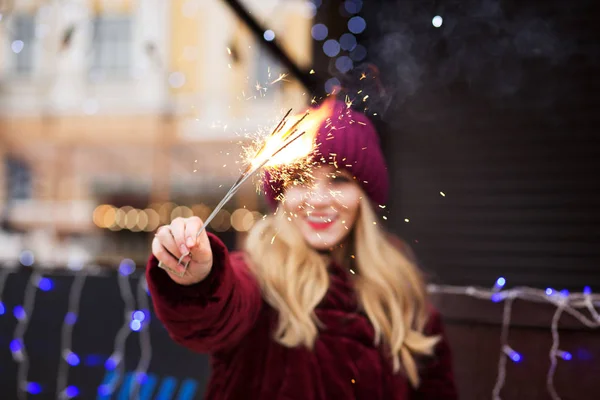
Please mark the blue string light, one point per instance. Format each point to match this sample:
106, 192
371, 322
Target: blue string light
135, 325
45, 284
500, 282
72, 391
15, 346
2, 308
516, 357
496, 297
587, 290
567, 356
72, 359
110, 363
34, 388
104, 389
139, 315
70, 318
126, 267
19, 313
564, 293
549, 291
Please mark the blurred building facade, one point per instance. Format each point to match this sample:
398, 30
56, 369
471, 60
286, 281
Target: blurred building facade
119, 115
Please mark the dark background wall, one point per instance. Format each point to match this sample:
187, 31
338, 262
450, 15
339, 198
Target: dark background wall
497, 109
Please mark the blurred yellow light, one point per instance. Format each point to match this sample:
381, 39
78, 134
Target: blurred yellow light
120, 217
99, 213
201, 210
250, 219
181, 211
153, 220
237, 219
164, 212
131, 219
142, 221
222, 221
109, 217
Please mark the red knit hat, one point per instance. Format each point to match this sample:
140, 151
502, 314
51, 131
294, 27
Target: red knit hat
349, 139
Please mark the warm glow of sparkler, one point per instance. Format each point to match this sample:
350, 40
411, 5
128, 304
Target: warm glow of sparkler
306, 125
280, 78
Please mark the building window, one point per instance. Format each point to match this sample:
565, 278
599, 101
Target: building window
112, 42
19, 180
22, 43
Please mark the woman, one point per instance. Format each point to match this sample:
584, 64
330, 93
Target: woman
321, 305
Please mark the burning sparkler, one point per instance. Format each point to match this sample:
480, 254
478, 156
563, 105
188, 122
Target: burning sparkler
291, 141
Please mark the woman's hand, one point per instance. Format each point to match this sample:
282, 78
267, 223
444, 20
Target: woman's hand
178, 239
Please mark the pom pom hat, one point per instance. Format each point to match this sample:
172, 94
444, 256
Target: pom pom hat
347, 140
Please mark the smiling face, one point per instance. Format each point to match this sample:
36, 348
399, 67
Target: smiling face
326, 208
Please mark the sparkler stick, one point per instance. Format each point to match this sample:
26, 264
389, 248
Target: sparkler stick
248, 172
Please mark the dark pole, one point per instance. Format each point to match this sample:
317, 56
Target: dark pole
307, 80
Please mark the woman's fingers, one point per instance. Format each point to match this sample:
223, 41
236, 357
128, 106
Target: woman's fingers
165, 257
166, 239
178, 231
192, 226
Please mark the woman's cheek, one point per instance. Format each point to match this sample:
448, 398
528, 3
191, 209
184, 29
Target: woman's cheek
293, 199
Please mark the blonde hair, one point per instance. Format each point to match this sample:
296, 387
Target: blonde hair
294, 279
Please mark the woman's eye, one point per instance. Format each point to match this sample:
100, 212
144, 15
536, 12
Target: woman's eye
340, 179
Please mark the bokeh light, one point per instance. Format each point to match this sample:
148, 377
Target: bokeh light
153, 220
357, 24
353, 6
181, 212
437, 21
222, 221
344, 64
332, 85
26, 258
348, 41
359, 53
202, 211
126, 267
237, 219
331, 48
269, 35
17, 46
319, 32
176, 79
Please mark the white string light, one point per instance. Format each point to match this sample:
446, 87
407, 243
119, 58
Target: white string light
564, 302
17, 345
3, 275
69, 358
115, 361
143, 316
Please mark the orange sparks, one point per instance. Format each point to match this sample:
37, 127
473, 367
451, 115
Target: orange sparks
292, 140
363, 76
281, 78
312, 71
229, 51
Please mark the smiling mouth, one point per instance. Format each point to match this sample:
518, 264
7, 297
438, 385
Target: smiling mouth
321, 223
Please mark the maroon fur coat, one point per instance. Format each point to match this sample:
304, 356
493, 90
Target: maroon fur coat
225, 315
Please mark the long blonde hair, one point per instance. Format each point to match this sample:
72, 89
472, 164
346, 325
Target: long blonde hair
294, 279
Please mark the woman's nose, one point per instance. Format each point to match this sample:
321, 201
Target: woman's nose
320, 195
